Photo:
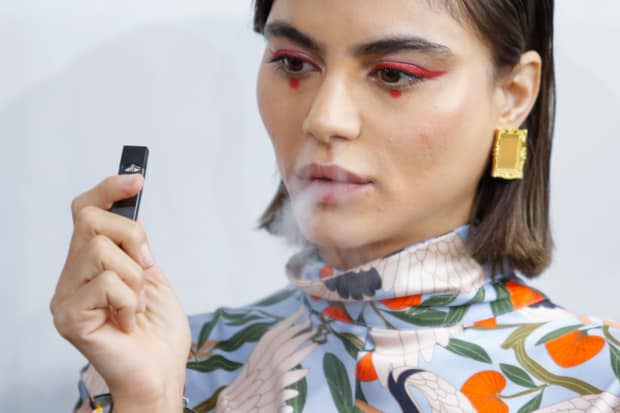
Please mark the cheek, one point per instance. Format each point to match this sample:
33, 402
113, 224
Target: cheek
441, 145
280, 116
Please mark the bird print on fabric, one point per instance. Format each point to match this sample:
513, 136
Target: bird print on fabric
425, 329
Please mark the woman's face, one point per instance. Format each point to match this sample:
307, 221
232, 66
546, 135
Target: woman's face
398, 94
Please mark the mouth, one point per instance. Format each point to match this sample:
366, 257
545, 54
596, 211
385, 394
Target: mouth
331, 183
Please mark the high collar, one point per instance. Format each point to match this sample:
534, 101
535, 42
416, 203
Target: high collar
439, 265
433, 283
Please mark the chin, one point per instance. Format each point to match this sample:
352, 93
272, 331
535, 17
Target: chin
335, 232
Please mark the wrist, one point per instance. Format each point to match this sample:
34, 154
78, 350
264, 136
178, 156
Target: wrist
168, 400
163, 405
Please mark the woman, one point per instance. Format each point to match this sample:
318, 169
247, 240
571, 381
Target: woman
413, 138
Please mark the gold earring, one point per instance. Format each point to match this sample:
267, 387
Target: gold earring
509, 153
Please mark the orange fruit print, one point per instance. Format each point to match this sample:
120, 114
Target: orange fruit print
365, 370
483, 389
400, 303
574, 348
522, 295
336, 314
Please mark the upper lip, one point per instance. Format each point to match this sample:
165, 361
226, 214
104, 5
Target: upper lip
330, 172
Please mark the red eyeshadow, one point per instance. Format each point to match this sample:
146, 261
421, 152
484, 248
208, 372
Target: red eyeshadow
396, 93
294, 83
409, 68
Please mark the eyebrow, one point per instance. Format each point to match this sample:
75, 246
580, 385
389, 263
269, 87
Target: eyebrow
386, 45
283, 29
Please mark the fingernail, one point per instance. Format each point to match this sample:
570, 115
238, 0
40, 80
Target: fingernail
142, 301
146, 256
128, 179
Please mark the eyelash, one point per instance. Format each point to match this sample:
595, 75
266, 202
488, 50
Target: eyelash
410, 78
278, 59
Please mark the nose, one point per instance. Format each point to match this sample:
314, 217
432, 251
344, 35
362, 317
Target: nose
333, 114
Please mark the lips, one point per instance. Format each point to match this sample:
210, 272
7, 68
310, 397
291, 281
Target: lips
330, 183
330, 173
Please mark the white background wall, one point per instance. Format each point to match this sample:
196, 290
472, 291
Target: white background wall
80, 79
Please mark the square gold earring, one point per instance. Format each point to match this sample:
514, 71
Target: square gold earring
509, 153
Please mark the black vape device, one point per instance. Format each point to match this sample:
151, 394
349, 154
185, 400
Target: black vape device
133, 161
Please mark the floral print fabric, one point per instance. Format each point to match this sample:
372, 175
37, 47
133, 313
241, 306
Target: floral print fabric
426, 329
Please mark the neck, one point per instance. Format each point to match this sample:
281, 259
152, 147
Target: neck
347, 258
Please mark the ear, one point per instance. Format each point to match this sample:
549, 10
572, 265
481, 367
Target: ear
519, 90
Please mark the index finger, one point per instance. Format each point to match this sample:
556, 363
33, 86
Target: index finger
108, 191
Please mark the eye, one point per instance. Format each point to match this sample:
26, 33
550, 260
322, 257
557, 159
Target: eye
398, 75
396, 79
392, 76
290, 64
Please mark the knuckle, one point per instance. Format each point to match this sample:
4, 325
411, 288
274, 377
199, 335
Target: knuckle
107, 279
137, 234
99, 246
86, 217
63, 322
76, 206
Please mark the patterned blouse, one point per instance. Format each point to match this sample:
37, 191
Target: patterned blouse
426, 329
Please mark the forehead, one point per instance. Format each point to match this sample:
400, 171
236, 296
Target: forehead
343, 23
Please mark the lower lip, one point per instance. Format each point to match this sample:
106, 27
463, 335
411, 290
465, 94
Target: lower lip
330, 192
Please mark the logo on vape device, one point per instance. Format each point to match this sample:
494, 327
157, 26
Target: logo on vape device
133, 168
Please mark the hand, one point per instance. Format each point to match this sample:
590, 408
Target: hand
116, 307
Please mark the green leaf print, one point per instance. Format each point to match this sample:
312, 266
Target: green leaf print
210, 403
532, 405
206, 329
438, 300
557, 333
213, 363
275, 298
338, 382
501, 304
241, 319
517, 375
298, 403
520, 334
251, 333
426, 317
615, 359
469, 350
516, 341
478, 298
455, 314
352, 343
429, 317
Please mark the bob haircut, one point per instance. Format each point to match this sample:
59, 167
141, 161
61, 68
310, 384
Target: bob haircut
510, 219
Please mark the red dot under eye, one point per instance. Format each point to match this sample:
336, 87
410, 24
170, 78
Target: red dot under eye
395, 93
294, 83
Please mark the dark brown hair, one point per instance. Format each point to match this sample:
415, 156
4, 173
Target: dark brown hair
510, 220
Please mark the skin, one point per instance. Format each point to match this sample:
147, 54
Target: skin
424, 151
117, 308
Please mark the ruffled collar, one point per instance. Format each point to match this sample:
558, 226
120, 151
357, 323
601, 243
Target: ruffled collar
432, 283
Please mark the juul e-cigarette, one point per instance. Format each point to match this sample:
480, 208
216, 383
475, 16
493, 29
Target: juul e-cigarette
133, 161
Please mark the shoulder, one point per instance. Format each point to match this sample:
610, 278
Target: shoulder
544, 357
544, 346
